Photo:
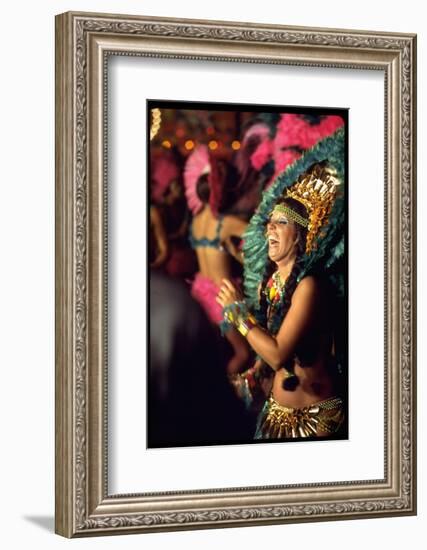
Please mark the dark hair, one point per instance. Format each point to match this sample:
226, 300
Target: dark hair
203, 188
225, 178
230, 190
291, 283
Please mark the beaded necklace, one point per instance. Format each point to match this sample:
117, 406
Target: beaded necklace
275, 293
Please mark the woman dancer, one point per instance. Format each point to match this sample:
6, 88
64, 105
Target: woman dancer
293, 333
211, 236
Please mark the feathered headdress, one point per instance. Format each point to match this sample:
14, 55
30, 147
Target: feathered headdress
317, 190
164, 170
198, 163
256, 147
295, 134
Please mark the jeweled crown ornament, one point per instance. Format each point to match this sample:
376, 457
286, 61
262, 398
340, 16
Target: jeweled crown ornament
316, 190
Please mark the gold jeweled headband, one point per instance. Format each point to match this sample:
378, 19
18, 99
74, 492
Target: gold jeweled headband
291, 214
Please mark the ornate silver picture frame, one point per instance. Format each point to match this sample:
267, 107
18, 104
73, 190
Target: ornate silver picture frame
84, 43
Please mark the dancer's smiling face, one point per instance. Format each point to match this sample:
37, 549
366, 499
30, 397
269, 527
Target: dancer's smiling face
282, 236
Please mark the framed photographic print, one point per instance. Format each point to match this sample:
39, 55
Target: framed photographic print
211, 168
235, 274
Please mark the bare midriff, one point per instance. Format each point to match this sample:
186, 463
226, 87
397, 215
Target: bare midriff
214, 264
314, 385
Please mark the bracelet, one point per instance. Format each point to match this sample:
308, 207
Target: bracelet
234, 311
246, 325
238, 314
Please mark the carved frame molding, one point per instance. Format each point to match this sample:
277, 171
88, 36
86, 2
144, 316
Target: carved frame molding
83, 44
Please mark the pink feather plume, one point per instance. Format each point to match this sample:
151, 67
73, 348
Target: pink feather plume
198, 163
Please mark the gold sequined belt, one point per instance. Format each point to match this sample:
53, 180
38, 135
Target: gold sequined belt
320, 419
